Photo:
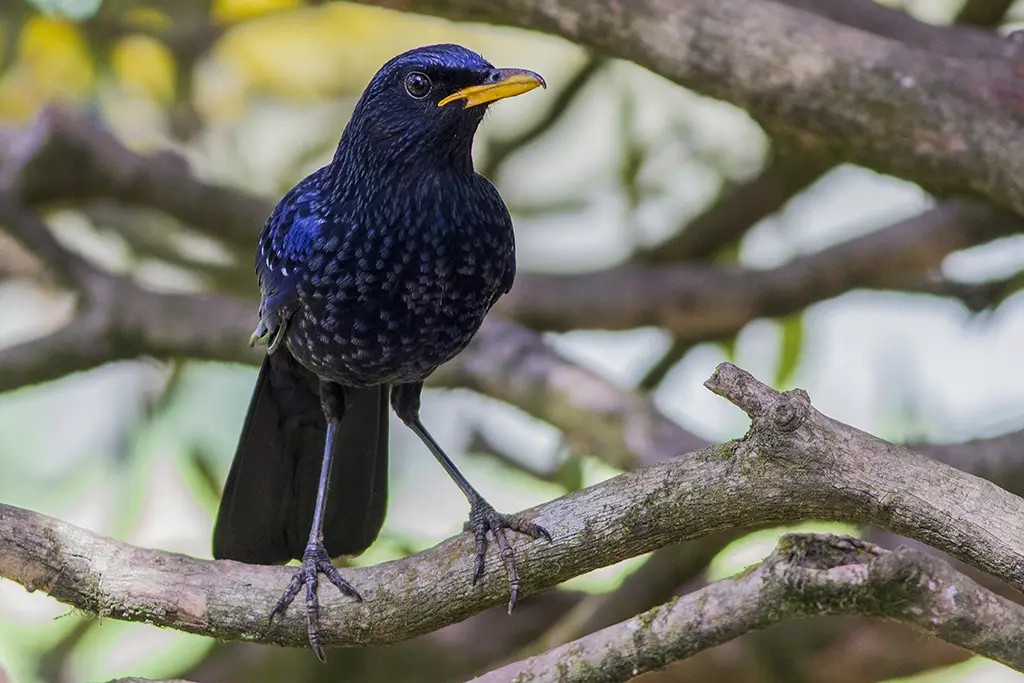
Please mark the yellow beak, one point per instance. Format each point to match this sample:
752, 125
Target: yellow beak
501, 84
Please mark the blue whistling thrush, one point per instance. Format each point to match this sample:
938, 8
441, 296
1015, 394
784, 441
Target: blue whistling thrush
373, 270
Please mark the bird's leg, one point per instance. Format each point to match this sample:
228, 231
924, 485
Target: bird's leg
483, 518
315, 559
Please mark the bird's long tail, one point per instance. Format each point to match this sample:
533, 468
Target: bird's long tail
267, 508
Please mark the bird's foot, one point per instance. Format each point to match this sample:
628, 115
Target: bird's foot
314, 561
483, 519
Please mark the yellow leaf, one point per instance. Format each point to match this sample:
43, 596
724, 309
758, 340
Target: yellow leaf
313, 53
145, 64
56, 55
230, 11
316, 52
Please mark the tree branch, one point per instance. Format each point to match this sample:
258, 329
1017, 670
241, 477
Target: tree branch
968, 41
438, 657
117, 319
68, 268
62, 158
794, 463
805, 575
662, 576
740, 207
513, 364
700, 301
995, 458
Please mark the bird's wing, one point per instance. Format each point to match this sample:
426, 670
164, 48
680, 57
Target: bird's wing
285, 243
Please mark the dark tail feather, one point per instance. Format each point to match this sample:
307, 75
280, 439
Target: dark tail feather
267, 508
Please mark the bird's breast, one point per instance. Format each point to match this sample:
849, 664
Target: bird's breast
378, 308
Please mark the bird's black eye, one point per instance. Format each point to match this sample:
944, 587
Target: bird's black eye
417, 84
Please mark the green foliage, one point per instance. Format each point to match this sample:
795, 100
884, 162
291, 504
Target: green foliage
790, 349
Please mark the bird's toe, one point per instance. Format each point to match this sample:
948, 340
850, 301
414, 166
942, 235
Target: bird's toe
484, 520
315, 561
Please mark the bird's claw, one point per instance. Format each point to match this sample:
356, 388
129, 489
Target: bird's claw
257, 336
483, 519
314, 561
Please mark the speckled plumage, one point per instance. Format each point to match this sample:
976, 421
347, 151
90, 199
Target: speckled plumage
382, 286
373, 270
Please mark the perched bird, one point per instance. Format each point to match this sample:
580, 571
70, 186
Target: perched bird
373, 271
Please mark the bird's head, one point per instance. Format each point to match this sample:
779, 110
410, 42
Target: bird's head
428, 102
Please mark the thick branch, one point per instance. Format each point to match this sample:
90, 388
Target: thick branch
794, 463
806, 575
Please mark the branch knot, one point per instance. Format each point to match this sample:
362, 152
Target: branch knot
791, 410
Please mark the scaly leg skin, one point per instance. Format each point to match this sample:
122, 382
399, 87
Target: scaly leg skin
483, 518
314, 561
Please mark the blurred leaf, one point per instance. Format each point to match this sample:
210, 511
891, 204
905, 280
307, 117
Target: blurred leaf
199, 472
8, 31
633, 153
312, 53
729, 253
145, 64
57, 53
791, 348
53, 63
728, 345
570, 474
230, 11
